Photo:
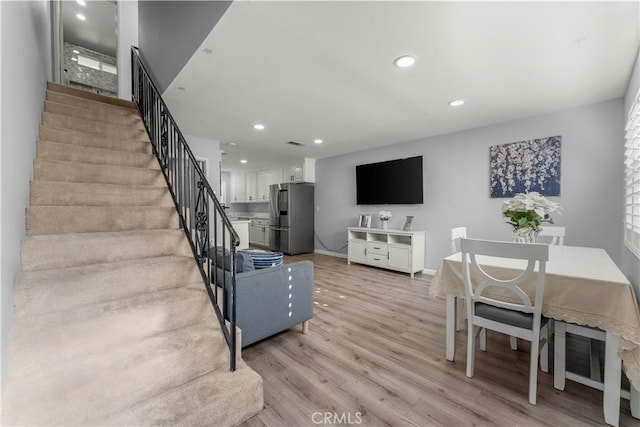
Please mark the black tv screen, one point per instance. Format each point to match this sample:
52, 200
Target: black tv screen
393, 182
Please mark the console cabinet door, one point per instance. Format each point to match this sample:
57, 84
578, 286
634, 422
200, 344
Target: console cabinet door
400, 257
357, 251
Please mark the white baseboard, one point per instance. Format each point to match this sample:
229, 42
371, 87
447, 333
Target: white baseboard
429, 272
335, 254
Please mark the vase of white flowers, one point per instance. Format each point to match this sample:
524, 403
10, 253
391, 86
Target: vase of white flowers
525, 213
384, 217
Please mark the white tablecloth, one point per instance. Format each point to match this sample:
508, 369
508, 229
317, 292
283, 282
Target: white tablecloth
583, 286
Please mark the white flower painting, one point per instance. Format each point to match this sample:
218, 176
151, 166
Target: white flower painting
526, 166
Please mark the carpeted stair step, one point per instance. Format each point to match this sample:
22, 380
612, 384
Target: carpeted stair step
220, 398
47, 291
86, 219
103, 116
46, 252
59, 170
110, 382
90, 104
56, 193
109, 100
47, 150
92, 126
35, 343
75, 137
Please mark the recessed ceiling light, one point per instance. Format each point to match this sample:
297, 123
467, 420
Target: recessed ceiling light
81, 2
233, 144
258, 126
456, 102
74, 59
243, 161
81, 17
317, 141
75, 51
404, 61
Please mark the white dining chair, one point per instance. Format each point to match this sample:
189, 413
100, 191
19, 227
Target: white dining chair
557, 238
560, 373
458, 233
556, 233
523, 320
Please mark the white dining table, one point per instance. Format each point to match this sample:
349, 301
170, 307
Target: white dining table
582, 286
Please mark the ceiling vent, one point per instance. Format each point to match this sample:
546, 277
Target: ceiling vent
297, 144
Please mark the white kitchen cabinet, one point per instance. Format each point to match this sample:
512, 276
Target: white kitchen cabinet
392, 249
251, 184
259, 232
305, 172
265, 179
238, 187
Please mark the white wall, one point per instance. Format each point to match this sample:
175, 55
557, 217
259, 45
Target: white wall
25, 34
127, 37
456, 182
209, 149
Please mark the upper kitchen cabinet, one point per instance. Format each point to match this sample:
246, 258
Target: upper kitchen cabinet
306, 172
238, 182
251, 186
265, 179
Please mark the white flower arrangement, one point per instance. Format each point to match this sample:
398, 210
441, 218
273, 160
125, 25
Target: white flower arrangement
384, 215
529, 210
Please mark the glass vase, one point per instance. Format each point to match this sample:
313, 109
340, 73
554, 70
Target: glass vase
525, 235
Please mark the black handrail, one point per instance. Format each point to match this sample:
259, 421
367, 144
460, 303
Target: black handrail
193, 197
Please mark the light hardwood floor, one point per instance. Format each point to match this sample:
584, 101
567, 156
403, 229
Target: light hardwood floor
375, 353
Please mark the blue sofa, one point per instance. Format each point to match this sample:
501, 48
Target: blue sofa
270, 300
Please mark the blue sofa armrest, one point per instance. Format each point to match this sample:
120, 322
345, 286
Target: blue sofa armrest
273, 299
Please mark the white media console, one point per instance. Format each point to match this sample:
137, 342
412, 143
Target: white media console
392, 249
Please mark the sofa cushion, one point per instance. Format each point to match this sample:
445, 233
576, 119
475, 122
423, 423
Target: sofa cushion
244, 262
264, 259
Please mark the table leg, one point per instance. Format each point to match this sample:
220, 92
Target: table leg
559, 355
451, 327
612, 367
635, 402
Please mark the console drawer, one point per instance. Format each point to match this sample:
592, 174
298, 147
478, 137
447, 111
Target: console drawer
377, 248
377, 259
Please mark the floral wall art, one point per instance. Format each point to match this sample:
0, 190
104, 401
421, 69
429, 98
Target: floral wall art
526, 166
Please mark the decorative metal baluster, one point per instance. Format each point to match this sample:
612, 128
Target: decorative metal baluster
202, 223
164, 138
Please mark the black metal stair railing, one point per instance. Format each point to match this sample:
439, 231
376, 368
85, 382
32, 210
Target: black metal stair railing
201, 214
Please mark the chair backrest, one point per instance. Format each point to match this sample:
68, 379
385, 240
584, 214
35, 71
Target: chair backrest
556, 234
456, 234
531, 253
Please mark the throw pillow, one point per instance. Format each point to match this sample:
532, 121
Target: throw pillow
264, 259
244, 262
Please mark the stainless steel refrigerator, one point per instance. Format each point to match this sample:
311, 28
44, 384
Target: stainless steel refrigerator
291, 218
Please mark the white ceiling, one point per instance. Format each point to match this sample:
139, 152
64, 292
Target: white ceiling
98, 32
311, 70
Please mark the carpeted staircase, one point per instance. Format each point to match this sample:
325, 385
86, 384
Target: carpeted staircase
112, 325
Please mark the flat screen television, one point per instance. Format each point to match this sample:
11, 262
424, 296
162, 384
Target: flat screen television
394, 182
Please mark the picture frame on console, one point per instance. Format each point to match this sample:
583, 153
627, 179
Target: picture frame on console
408, 223
364, 221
